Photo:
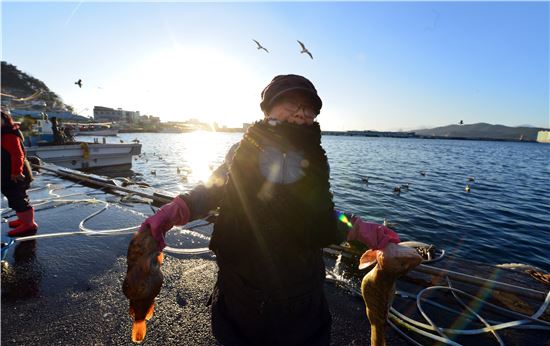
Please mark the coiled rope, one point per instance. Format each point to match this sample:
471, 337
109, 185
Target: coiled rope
83, 230
420, 328
427, 330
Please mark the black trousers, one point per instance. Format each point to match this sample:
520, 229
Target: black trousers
240, 319
16, 193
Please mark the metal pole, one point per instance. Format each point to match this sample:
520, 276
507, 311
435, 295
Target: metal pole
162, 199
497, 285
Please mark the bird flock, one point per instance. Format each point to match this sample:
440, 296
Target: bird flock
398, 189
303, 49
405, 187
259, 46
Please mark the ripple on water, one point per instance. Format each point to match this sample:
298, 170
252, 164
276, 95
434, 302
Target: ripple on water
504, 218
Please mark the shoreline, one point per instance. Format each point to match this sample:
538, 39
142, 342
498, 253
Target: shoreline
372, 134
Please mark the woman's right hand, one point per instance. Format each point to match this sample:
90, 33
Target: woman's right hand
174, 213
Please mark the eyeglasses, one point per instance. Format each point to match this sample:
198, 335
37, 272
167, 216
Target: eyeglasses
294, 107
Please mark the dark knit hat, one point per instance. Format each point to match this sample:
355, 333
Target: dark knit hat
282, 84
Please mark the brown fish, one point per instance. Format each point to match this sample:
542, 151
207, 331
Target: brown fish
378, 286
143, 280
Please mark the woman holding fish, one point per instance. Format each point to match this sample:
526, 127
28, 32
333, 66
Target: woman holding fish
275, 215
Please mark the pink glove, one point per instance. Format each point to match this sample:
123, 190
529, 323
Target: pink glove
174, 213
374, 235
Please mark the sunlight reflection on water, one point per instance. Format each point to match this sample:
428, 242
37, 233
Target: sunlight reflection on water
504, 218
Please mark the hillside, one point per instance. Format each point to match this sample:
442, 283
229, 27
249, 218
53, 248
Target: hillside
482, 131
20, 84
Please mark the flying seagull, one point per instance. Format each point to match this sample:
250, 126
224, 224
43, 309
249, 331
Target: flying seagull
79, 83
304, 49
260, 46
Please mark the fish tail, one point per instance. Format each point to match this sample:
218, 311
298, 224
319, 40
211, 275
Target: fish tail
368, 258
150, 312
138, 331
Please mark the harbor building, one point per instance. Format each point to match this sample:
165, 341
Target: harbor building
543, 136
119, 115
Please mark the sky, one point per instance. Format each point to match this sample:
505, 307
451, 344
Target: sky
384, 66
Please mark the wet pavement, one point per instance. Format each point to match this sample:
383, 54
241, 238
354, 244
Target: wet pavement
67, 290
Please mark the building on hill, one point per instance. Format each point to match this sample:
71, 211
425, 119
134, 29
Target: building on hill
149, 119
543, 136
118, 115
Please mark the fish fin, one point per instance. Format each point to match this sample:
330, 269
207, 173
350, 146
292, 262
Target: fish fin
160, 258
150, 312
368, 258
139, 328
132, 312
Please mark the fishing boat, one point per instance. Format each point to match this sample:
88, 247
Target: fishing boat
79, 155
88, 156
94, 129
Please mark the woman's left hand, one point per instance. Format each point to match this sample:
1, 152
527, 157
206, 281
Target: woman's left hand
374, 235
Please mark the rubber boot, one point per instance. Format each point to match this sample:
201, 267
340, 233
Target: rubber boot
14, 223
27, 226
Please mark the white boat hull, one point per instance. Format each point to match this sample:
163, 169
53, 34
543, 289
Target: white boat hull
106, 132
88, 156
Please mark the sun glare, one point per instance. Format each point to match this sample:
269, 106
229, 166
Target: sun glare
192, 82
203, 153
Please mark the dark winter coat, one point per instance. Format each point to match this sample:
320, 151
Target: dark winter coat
276, 214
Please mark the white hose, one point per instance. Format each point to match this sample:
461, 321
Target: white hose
393, 315
492, 330
423, 329
533, 318
196, 251
89, 231
424, 333
83, 230
403, 334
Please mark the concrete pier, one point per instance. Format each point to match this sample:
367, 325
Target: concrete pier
67, 290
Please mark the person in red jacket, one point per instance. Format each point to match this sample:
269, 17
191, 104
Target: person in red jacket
16, 178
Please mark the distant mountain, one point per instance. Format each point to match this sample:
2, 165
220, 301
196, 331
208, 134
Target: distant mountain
482, 131
20, 84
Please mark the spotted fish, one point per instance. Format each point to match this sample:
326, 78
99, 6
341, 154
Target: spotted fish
143, 280
378, 285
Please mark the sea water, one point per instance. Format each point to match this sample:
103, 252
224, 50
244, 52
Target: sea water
504, 218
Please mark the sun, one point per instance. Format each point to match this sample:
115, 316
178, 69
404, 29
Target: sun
186, 82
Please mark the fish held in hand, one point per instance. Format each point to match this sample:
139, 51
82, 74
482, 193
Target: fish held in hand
378, 285
143, 280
